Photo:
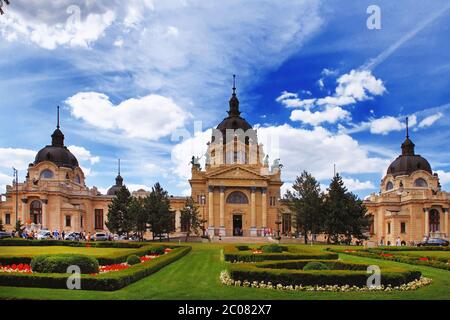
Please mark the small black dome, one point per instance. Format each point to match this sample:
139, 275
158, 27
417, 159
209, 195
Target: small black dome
408, 162
115, 188
57, 152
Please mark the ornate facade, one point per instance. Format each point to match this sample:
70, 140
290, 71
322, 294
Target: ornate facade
411, 204
237, 191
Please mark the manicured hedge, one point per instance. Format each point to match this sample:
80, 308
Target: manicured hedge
59, 263
300, 264
405, 248
400, 258
104, 282
113, 258
259, 272
233, 254
96, 244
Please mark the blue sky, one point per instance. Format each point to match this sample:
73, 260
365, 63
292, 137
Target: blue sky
131, 79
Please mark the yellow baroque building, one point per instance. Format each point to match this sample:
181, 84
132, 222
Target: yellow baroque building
237, 193
411, 204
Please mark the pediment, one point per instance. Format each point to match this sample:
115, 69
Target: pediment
237, 172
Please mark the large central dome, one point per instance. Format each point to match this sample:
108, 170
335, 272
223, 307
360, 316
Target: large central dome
57, 152
408, 162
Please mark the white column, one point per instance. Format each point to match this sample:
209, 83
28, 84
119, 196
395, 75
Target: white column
446, 222
253, 231
211, 211
24, 208
427, 221
44, 213
222, 211
264, 207
178, 221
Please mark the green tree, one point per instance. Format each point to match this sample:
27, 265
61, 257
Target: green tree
190, 218
139, 216
1, 225
119, 218
306, 202
157, 206
345, 214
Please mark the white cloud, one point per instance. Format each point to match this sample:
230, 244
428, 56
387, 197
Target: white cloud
330, 114
150, 117
430, 120
299, 149
14, 157
360, 85
356, 185
385, 125
444, 177
4, 181
57, 24
82, 154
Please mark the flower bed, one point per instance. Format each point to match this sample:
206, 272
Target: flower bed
234, 253
395, 255
287, 273
22, 268
226, 279
107, 281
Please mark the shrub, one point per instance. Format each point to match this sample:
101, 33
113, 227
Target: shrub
39, 243
315, 265
243, 248
133, 259
252, 272
273, 248
59, 263
106, 282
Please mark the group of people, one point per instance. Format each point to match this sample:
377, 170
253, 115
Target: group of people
55, 234
398, 242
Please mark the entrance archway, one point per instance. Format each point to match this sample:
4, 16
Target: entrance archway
36, 212
237, 225
434, 220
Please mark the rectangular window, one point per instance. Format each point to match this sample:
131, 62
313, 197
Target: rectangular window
8, 218
389, 228
68, 221
81, 221
272, 201
98, 218
403, 227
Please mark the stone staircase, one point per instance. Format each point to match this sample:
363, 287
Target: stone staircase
243, 240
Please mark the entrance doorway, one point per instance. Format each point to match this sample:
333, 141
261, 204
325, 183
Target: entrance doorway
237, 225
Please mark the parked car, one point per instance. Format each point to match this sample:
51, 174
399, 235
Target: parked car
433, 242
43, 235
100, 237
4, 235
73, 236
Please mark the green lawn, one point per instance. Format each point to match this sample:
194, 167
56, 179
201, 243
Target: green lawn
196, 276
23, 251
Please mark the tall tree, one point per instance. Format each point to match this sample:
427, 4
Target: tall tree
190, 218
305, 202
18, 227
161, 218
119, 218
345, 214
139, 216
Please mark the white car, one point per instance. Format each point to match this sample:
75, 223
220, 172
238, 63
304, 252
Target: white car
100, 237
44, 235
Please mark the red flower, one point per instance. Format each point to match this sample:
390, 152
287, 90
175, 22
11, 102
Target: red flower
423, 259
166, 250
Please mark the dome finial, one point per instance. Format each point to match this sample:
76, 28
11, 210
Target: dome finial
407, 128
119, 168
57, 117
234, 84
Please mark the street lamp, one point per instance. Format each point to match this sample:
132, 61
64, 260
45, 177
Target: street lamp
16, 182
203, 200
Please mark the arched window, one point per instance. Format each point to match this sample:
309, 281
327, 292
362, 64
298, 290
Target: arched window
237, 197
77, 179
389, 186
434, 220
46, 174
421, 183
36, 212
